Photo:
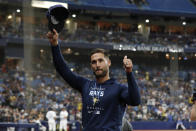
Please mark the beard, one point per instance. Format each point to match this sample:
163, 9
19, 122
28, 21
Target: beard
99, 75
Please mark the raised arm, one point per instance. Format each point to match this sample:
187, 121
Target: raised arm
71, 78
130, 96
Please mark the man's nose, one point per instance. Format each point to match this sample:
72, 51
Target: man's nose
97, 63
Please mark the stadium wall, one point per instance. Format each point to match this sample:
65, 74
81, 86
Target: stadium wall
156, 125
17, 126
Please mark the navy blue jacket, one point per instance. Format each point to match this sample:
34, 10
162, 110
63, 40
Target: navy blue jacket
103, 105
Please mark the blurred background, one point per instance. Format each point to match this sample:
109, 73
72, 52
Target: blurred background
158, 35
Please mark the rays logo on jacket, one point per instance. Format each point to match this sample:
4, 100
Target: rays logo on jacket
96, 93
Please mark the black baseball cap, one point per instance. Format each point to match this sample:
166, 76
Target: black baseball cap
56, 16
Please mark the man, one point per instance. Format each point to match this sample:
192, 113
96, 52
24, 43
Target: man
180, 125
126, 125
104, 99
51, 116
63, 119
39, 120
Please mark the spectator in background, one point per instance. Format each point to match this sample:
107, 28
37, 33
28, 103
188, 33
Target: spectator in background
180, 125
126, 125
23, 120
39, 120
63, 119
51, 116
75, 126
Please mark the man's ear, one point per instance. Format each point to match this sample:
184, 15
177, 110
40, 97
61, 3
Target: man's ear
109, 62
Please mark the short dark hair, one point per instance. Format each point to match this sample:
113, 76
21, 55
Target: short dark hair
100, 50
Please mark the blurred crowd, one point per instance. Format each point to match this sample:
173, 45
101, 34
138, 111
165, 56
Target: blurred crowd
28, 95
108, 36
164, 97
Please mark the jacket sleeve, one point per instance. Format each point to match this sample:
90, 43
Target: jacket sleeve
71, 78
131, 95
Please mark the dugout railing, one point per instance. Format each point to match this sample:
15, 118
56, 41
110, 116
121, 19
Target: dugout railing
4, 126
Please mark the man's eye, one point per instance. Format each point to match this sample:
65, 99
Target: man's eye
100, 60
93, 62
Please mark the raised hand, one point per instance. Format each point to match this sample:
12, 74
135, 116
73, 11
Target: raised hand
127, 64
53, 37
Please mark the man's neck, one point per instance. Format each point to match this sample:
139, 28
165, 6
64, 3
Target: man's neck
102, 79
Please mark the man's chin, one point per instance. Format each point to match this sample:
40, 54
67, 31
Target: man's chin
99, 74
